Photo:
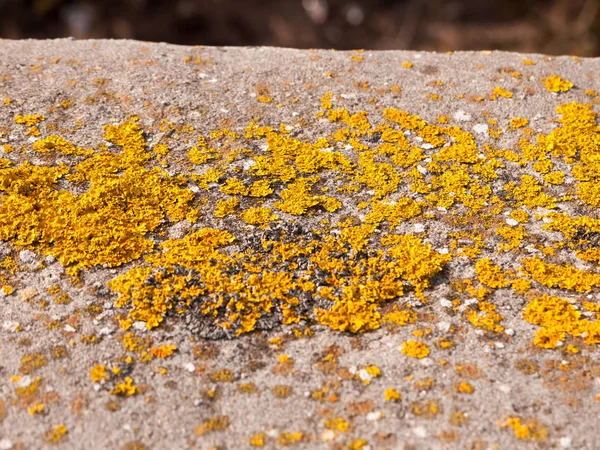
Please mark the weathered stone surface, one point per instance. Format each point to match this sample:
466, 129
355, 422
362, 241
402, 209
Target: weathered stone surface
175, 275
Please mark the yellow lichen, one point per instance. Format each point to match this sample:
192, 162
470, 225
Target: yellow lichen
125, 388
99, 373
530, 430
392, 394
554, 83
415, 349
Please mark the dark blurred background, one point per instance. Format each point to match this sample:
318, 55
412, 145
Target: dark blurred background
546, 26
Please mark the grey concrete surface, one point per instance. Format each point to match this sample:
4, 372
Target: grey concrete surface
486, 383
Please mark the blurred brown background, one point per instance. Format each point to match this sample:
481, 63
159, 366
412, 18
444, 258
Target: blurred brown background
545, 26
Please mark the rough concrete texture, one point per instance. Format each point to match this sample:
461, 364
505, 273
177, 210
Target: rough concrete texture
407, 259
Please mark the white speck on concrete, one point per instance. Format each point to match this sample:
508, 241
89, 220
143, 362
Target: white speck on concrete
374, 415
328, 435
139, 325
445, 303
481, 128
420, 432
12, 326
444, 327
273, 433
504, 388
462, 116
565, 442
27, 257
5, 444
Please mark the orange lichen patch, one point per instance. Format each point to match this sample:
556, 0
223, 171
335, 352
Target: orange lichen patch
55, 434
557, 318
282, 390
554, 177
258, 216
400, 318
393, 213
519, 215
217, 423
486, 317
258, 439
150, 303
392, 395
490, 274
500, 92
358, 444
465, 388
55, 143
416, 262
36, 409
529, 193
519, 122
29, 120
326, 102
513, 236
297, 199
427, 409
222, 376
264, 98
415, 349
99, 373
286, 438
163, 351
349, 315
226, 207
572, 226
590, 255
564, 277
125, 388
528, 430
112, 231
261, 188
338, 423
32, 362
234, 186
554, 83
200, 155
133, 343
